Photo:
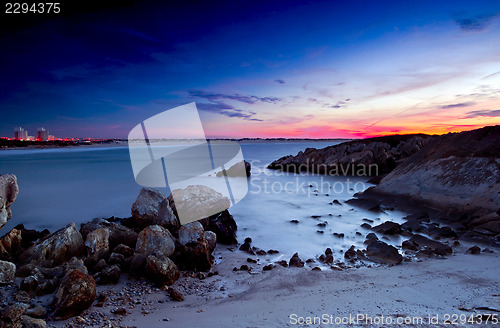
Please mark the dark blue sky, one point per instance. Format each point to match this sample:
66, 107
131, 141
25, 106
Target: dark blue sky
255, 68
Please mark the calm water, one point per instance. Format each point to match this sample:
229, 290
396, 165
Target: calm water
58, 186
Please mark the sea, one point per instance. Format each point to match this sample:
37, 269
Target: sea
77, 184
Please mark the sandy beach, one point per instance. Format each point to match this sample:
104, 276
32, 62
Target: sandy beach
288, 297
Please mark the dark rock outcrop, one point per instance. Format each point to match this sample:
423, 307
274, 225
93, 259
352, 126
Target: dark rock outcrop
456, 175
368, 157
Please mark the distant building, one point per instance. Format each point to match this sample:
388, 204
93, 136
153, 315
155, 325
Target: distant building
42, 135
20, 134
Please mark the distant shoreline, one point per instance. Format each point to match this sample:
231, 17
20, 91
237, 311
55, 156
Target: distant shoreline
19, 145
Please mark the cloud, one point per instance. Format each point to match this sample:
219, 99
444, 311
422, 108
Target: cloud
483, 113
280, 81
222, 108
237, 97
475, 24
465, 104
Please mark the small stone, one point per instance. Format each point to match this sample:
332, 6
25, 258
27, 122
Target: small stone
175, 295
474, 250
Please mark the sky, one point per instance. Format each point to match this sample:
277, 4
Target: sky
268, 69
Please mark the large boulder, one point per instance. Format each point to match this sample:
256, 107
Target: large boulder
194, 252
76, 293
223, 225
118, 234
155, 240
152, 208
8, 194
57, 248
7, 272
161, 269
196, 202
380, 252
97, 244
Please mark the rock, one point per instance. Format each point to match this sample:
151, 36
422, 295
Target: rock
10, 245
474, 250
76, 293
161, 270
155, 240
57, 248
211, 240
283, 263
118, 234
295, 261
441, 232
109, 275
223, 225
388, 228
247, 247
268, 267
124, 250
175, 295
191, 233
116, 258
100, 265
37, 311
152, 208
380, 252
11, 314
7, 272
28, 322
194, 253
8, 194
294, 221
370, 238
197, 202
409, 246
97, 244
119, 311
240, 169
350, 253
432, 246
137, 264
75, 264
366, 226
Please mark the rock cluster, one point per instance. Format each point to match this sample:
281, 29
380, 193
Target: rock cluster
71, 262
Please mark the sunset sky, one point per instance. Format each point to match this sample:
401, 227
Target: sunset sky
297, 69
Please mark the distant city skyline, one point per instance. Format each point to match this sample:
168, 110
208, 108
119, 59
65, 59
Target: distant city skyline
294, 69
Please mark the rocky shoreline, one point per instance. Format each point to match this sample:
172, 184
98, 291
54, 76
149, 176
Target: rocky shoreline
452, 179
118, 264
